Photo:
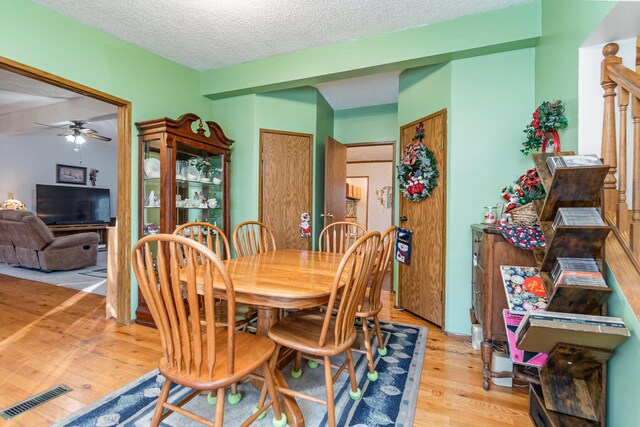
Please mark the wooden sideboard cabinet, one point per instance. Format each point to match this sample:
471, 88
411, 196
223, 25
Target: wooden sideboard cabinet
489, 251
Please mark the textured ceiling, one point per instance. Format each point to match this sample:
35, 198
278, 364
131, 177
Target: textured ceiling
205, 34
21, 93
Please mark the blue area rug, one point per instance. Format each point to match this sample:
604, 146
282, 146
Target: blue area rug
390, 400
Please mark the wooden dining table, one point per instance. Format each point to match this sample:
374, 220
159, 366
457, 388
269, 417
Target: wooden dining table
280, 279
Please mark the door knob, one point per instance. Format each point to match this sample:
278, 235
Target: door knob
403, 218
327, 215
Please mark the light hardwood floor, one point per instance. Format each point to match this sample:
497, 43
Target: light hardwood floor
51, 335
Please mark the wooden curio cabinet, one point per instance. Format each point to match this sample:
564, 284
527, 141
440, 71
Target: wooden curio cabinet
183, 177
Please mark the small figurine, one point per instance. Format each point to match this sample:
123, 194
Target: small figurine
305, 226
151, 201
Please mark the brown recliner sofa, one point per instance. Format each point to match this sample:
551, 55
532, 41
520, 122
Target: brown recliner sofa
7, 251
36, 247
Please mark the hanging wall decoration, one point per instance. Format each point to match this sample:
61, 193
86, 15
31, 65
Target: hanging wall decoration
417, 172
542, 132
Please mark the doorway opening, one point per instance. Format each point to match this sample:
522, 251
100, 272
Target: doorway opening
118, 292
371, 174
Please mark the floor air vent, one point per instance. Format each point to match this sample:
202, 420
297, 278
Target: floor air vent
32, 402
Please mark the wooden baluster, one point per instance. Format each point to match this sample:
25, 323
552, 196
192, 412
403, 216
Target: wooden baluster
635, 216
609, 129
623, 209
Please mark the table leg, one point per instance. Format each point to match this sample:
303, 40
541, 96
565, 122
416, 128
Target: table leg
267, 316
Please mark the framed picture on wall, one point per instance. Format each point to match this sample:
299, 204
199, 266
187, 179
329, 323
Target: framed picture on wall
66, 174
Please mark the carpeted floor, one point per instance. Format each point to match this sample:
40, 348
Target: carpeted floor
388, 401
92, 279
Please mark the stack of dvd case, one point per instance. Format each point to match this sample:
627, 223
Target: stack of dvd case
578, 216
578, 272
572, 161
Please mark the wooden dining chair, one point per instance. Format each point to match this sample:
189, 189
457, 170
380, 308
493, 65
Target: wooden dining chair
371, 303
319, 336
339, 236
214, 239
197, 356
253, 237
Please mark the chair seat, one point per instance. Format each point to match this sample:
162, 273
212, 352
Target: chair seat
244, 314
250, 353
301, 331
366, 311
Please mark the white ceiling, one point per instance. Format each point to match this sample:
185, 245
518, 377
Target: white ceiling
375, 89
25, 102
370, 153
206, 34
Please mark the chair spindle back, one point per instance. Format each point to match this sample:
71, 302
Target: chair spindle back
385, 253
187, 344
354, 271
339, 236
207, 234
253, 237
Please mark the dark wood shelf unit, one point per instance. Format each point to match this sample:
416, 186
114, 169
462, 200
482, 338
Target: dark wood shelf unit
573, 379
573, 299
542, 417
569, 187
572, 241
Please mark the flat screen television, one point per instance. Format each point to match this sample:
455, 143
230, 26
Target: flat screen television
63, 205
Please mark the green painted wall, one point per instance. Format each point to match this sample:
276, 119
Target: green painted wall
155, 86
487, 98
565, 25
422, 91
367, 124
499, 30
237, 117
623, 375
325, 122
301, 110
492, 98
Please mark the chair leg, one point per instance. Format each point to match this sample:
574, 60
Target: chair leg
234, 397
372, 374
297, 369
219, 416
328, 380
162, 399
355, 392
382, 349
280, 417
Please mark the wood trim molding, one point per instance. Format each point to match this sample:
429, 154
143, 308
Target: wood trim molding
369, 161
123, 283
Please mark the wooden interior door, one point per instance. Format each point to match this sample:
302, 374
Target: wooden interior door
421, 284
285, 185
335, 181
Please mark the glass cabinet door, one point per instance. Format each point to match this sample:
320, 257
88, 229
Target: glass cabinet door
199, 189
151, 188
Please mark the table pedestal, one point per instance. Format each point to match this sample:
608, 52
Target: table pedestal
267, 317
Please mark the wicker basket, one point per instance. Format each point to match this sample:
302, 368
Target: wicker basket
524, 215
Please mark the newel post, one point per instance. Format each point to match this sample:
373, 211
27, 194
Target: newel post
609, 127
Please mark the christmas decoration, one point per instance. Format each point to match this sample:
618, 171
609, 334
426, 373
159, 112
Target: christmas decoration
526, 189
305, 226
417, 171
547, 120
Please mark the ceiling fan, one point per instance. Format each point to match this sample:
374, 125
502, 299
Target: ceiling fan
76, 132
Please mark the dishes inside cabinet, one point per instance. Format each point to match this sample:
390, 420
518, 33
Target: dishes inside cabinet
152, 168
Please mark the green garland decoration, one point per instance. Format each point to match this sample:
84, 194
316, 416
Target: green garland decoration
418, 171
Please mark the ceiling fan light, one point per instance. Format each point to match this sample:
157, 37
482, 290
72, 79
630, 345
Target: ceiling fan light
69, 138
80, 139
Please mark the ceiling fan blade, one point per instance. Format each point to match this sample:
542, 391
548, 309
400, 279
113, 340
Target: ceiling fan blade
67, 133
99, 137
87, 130
51, 126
